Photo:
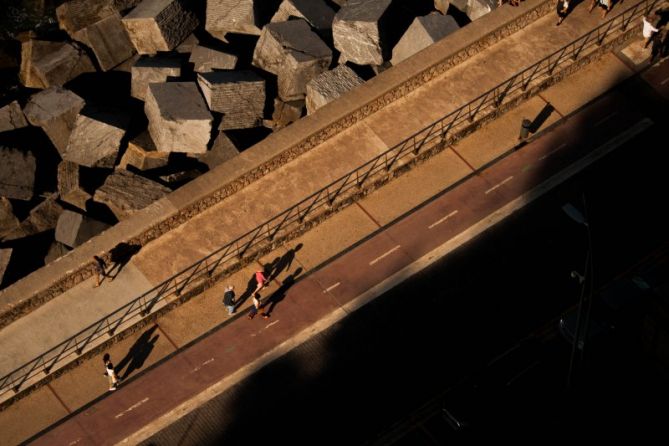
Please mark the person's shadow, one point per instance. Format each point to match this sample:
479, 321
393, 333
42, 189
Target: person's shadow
280, 293
120, 255
283, 263
138, 353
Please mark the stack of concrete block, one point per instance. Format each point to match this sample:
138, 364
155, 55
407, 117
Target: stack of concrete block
286, 112
73, 228
223, 150
8, 221
316, 12
236, 16
55, 110
17, 174
97, 24
96, 139
206, 59
148, 70
125, 193
474, 8
70, 188
142, 154
358, 32
45, 64
239, 95
423, 32
330, 85
179, 120
293, 52
159, 25
11, 117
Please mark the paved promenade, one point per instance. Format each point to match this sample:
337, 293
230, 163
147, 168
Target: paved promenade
328, 293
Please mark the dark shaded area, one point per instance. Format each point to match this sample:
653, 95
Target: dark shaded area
138, 353
119, 256
28, 255
272, 301
541, 117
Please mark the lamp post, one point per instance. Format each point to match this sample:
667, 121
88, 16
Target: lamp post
585, 299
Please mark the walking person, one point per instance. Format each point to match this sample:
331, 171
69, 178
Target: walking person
256, 306
649, 28
261, 281
229, 299
109, 372
562, 10
100, 268
604, 4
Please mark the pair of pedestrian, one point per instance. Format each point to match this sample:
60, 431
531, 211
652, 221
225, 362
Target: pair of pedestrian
110, 373
261, 282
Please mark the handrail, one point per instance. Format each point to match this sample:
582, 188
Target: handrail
341, 189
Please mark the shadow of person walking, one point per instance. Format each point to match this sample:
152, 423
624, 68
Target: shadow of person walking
283, 263
120, 255
138, 353
273, 300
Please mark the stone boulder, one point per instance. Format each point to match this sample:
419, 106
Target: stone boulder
236, 16
294, 53
206, 59
125, 193
423, 32
148, 70
17, 174
239, 95
70, 189
11, 117
358, 32
46, 64
97, 24
96, 139
316, 12
159, 25
142, 154
179, 120
328, 86
55, 110
73, 228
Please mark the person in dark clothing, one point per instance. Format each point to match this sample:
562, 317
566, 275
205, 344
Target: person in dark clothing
100, 268
562, 10
229, 299
110, 372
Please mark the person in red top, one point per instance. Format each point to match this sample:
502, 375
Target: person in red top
261, 282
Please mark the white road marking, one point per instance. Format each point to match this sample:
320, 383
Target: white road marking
605, 118
664, 81
196, 369
498, 185
131, 408
564, 144
384, 255
441, 220
74, 442
332, 287
270, 324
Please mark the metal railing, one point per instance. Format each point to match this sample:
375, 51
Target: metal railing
325, 200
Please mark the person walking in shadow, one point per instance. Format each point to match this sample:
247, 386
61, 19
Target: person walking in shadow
100, 270
279, 294
109, 372
120, 255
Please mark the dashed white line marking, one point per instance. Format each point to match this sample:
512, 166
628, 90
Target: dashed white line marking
196, 369
564, 144
605, 118
386, 254
74, 442
331, 287
131, 408
443, 219
664, 81
498, 185
270, 324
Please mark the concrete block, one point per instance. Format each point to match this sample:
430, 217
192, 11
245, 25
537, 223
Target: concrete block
75, 15
239, 95
179, 120
294, 53
11, 117
148, 70
142, 154
159, 25
328, 86
42, 217
188, 44
70, 189
73, 228
316, 12
46, 64
357, 31
222, 150
286, 112
237, 16
423, 32
17, 173
474, 8
206, 59
8, 221
125, 193
55, 110
5, 257
442, 5
56, 250
96, 139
